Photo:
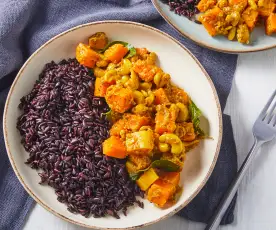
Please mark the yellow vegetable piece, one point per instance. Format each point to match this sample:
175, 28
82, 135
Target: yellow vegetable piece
147, 179
141, 142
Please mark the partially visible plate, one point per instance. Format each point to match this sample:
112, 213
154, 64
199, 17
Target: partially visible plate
185, 71
259, 40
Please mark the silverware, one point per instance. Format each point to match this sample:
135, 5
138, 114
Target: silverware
264, 130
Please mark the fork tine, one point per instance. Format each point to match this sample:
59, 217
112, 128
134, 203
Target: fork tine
270, 115
274, 118
263, 113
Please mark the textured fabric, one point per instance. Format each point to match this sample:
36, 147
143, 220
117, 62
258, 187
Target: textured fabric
26, 24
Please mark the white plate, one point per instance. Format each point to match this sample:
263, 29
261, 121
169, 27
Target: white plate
174, 59
197, 33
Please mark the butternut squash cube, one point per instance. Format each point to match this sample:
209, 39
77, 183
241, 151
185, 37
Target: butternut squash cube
160, 192
250, 17
270, 24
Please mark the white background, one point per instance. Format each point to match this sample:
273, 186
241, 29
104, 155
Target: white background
255, 80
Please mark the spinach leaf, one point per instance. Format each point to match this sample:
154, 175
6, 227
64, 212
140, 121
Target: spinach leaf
91, 72
131, 48
195, 115
165, 165
108, 115
135, 176
131, 52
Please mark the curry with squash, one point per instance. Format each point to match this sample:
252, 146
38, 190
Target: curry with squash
236, 19
155, 122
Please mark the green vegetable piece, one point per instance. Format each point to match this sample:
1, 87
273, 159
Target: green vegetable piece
131, 48
131, 52
195, 115
91, 72
165, 165
135, 176
108, 115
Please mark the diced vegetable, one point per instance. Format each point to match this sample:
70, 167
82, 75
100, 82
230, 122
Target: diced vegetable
119, 99
165, 118
98, 41
270, 24
241, 3
204, 5
267, 8
86, 56
114, 147
147, 179
141, 142
100, 88
116, 53
118, 127
160, 97
145, 71
135, 122
209, 19
250, 17
129, 122
136, 163
160, 192
171, 177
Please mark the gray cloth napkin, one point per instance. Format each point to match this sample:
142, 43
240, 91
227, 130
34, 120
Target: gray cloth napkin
26, 24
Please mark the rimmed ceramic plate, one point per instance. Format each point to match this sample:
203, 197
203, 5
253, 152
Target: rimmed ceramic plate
185, 70
196, 32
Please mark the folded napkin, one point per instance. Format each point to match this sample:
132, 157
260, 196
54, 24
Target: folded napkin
26, 25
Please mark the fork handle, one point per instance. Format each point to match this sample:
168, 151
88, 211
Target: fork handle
225, 202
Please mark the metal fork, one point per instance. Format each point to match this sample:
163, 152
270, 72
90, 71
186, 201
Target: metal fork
264, 130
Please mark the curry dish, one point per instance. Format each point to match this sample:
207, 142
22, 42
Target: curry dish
154, 122
236, 19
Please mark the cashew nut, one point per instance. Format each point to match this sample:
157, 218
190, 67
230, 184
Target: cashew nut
161, 79
133, 82
183, 114
138, 97
140, 109
98, 72
150, 99
174, 141
163, 147
111, 76
125, 67
145, 85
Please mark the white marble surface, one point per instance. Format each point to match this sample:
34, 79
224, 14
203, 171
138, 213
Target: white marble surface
255, 80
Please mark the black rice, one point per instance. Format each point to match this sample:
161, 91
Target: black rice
62, 128
186, 8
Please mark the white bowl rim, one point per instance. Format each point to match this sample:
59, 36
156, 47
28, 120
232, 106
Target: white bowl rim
44, 205
204, 44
